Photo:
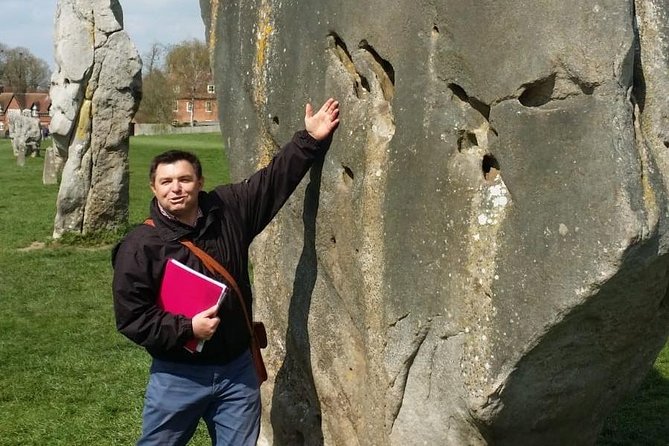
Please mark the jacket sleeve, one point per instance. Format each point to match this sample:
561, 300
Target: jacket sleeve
135, 286
263, 194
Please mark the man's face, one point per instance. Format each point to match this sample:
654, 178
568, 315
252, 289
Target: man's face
176, 187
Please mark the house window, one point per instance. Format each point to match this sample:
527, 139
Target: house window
207, 106
176, 106
189, 106
34, 111
211, 89
2, 126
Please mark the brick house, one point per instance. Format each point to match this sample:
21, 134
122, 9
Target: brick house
39, 104
202, 105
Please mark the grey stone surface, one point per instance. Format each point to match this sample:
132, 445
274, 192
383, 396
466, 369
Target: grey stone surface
53, 166
481, 258
95, 93
26, 135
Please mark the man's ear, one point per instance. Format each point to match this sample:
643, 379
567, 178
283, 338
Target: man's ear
201, 182
153, 189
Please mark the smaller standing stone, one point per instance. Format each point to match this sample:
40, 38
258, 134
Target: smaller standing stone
26, 136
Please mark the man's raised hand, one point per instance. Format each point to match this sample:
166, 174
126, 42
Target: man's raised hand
321, 124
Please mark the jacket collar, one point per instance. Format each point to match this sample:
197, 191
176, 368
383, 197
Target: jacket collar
170, 229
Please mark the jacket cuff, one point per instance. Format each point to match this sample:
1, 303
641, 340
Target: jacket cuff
303, 139
188, 329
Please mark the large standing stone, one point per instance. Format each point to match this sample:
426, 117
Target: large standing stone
95, 92
482, 256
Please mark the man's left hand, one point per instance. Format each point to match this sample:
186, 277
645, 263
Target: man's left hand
321, 124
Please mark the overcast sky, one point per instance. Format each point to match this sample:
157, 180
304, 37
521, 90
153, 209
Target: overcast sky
29, 23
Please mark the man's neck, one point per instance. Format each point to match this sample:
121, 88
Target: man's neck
190, 220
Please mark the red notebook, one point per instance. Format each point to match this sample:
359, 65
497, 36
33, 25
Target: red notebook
188, 292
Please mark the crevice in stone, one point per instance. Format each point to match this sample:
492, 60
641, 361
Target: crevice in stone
459, 92
403, 374
538, 93
638, 79
431, 368
339, 49
435, 29
383, 69
364, 83
479, 106
664, 302
399, 319
387, 66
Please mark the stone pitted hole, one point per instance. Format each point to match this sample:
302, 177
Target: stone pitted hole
466, 140
435, 29
587, 88
347, 175
666, 144
490, 167
538, 93
275, 120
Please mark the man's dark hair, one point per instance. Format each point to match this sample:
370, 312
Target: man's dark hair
172, 156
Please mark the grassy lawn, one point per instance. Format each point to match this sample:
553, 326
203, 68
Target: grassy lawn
68, 378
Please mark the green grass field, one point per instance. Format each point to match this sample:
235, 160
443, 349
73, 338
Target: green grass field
68, 378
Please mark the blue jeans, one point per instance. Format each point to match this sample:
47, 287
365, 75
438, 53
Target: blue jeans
178, 395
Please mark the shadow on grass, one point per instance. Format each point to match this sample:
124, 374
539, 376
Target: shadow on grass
642, 419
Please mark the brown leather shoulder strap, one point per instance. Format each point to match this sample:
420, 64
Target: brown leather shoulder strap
213, 266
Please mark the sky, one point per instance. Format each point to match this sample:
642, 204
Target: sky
30, 23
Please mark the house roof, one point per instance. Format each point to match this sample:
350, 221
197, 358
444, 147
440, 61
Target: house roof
5, 99
27, 100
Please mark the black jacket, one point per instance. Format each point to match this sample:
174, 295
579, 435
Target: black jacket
233, 215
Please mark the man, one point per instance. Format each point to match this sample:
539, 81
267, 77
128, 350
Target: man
218, 384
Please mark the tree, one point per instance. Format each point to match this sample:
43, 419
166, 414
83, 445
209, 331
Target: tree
157, 92
153, 57
3, 63
21, 71
157, 99
187, 65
